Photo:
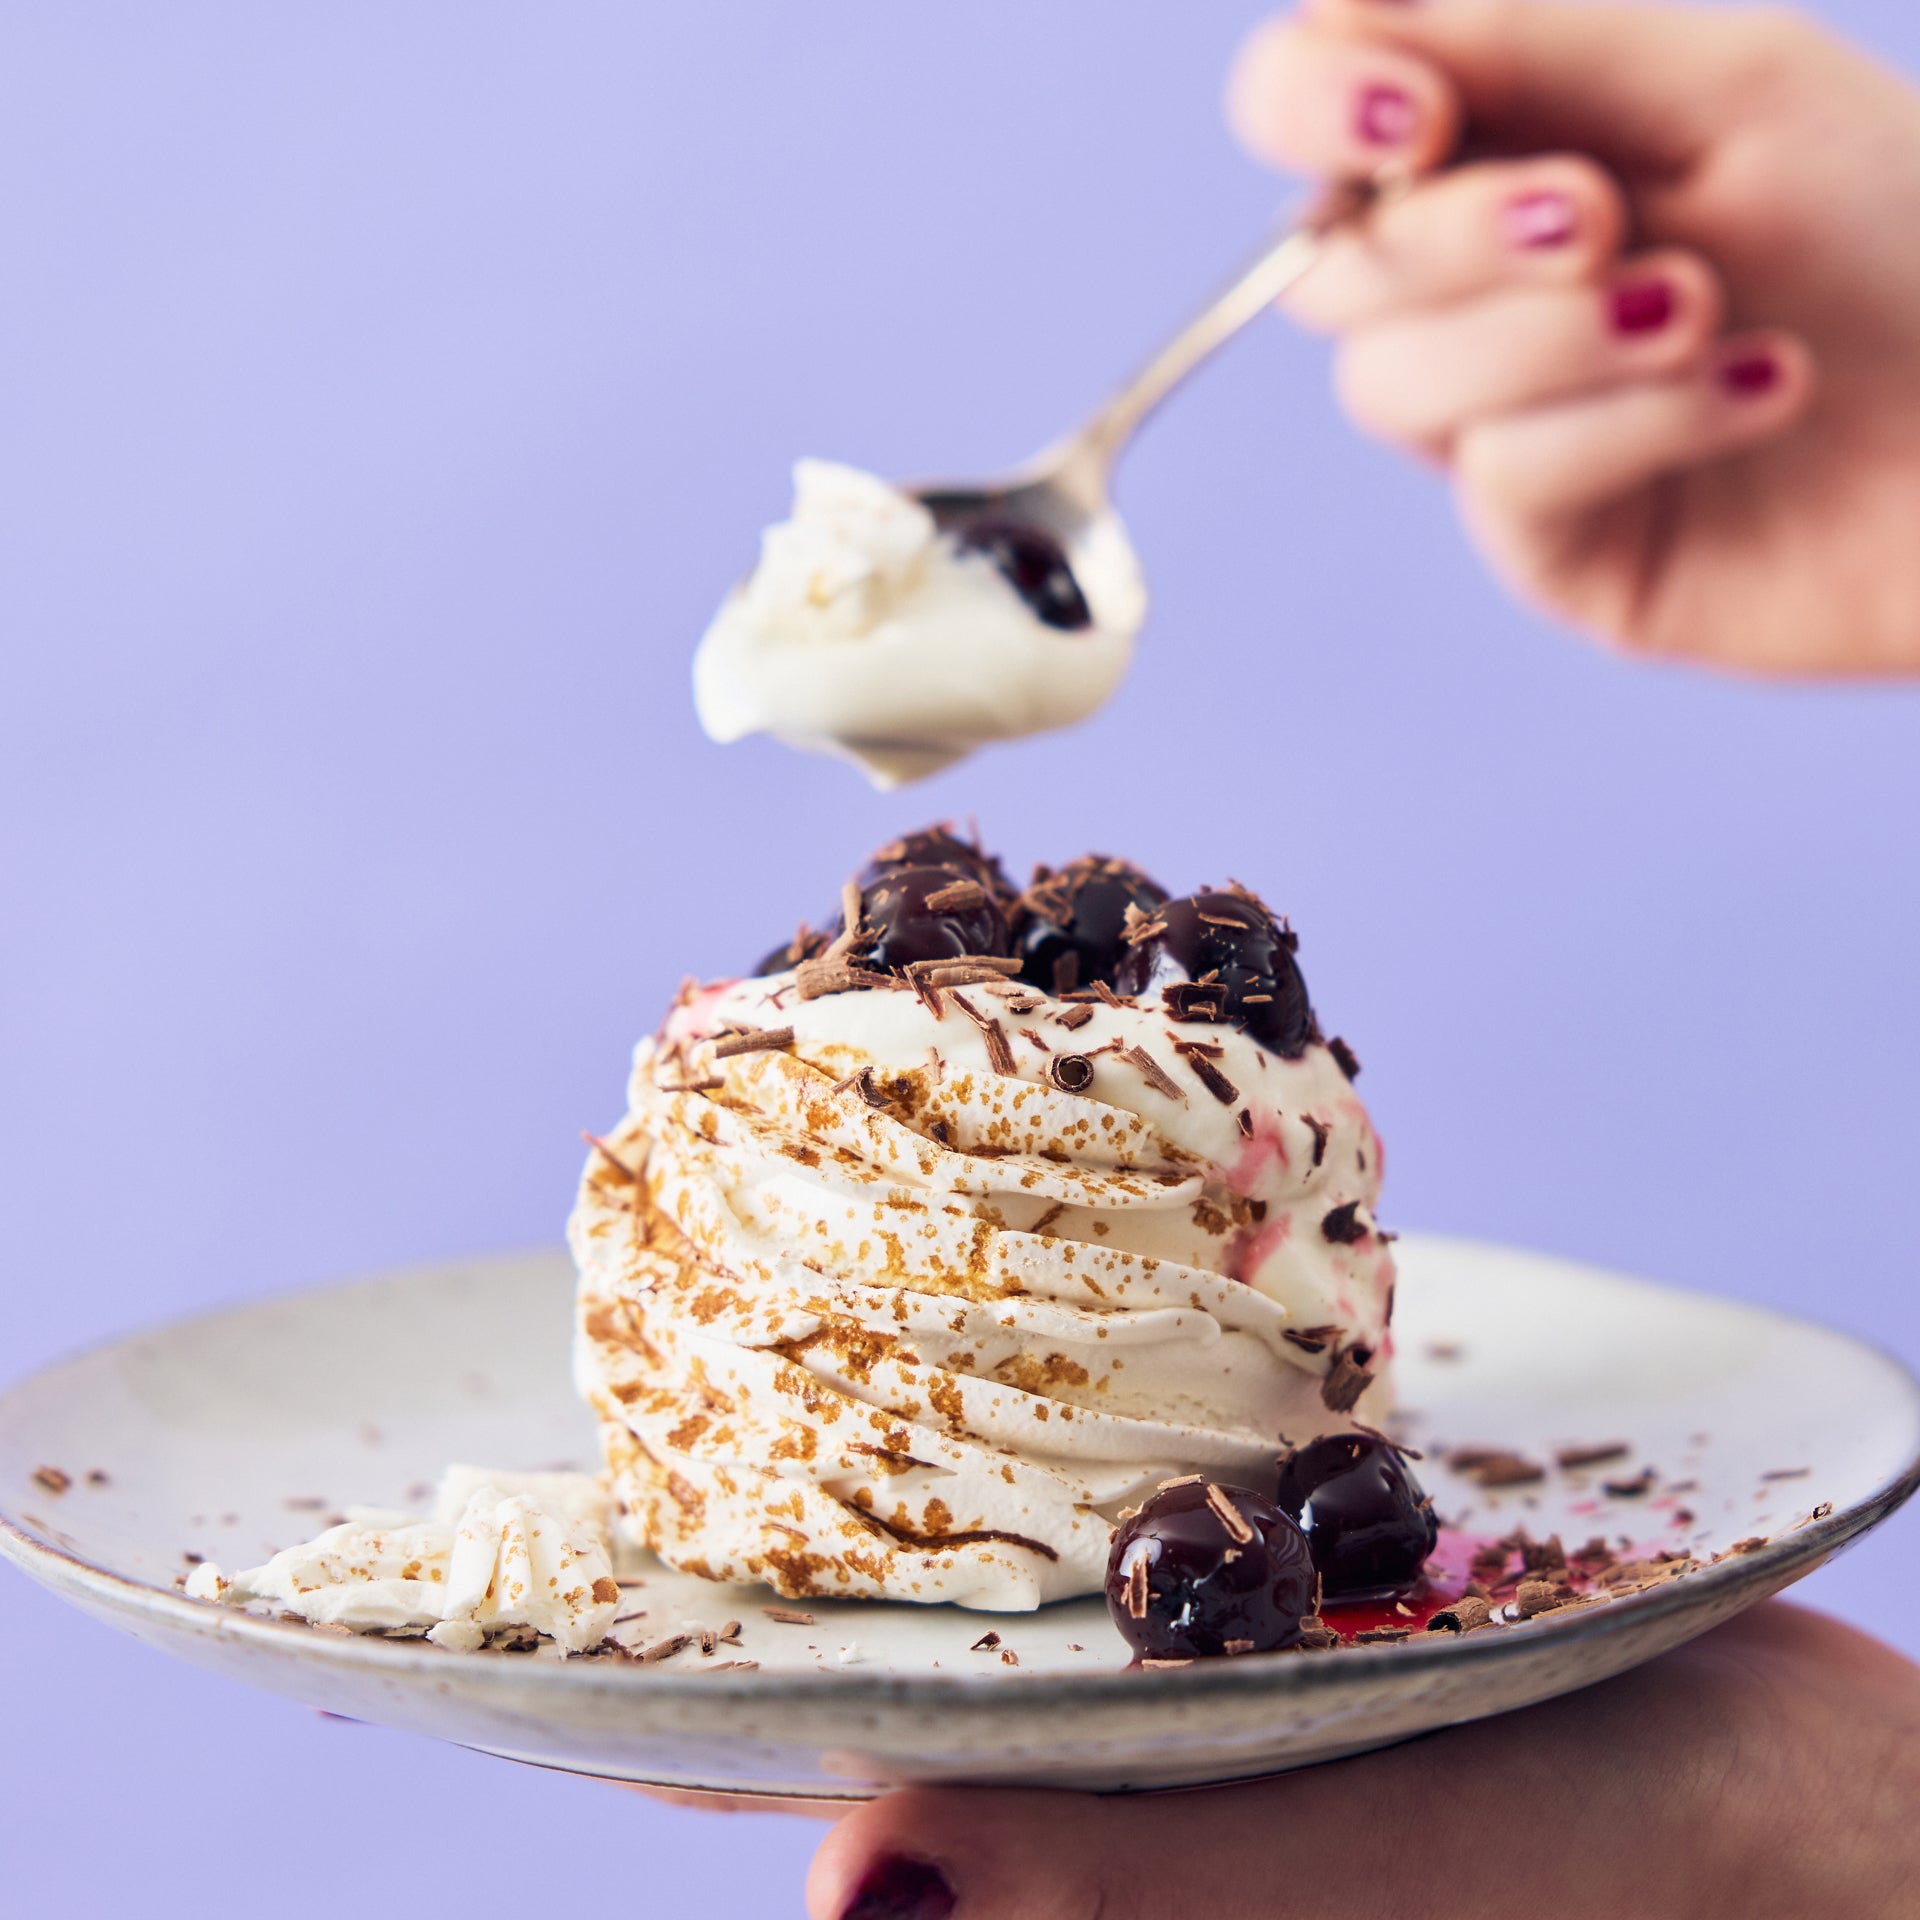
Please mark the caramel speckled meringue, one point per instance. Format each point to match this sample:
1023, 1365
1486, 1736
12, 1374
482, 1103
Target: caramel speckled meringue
878, 1310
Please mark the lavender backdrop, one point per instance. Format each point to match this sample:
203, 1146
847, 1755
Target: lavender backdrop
387, 394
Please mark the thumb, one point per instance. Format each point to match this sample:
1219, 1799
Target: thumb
1645, 87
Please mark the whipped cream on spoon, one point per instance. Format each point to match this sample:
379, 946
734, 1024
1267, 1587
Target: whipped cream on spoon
901, 627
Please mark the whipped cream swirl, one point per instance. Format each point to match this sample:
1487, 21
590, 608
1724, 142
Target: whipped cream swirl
906, 1294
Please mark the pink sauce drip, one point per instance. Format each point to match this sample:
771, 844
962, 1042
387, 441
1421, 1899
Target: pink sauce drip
694, 1020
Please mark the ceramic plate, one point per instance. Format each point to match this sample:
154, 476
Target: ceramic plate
235, 1434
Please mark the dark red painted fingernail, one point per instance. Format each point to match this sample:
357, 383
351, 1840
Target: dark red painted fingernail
900, 1889
1385, 116
1752, 373
1642, 306
1539, 220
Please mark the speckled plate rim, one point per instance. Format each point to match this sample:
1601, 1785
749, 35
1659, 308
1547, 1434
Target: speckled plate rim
1765, 1569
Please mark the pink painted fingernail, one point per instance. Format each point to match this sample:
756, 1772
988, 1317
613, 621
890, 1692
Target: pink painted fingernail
901, 1889
1642, 306
1539, 220
1385, 116
1751, 374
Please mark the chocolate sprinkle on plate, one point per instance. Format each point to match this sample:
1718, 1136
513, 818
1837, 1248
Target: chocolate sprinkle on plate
1570, 1458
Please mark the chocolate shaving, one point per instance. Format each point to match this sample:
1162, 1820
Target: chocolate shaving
1642, 1482
1468, 1614
51, 1480
1748, 1546
664, 1649
1315, 1635
963, 973
1371, 1635
963, 896
761, 1040
1542, 1596
1156, 1666
1787, 1473
1495, 1467
1229, 1516
1349, 1379
1195, 1000
606, 1153
1322, 1133
787, 1617
1310, 1339
1824, 1510
1343, 1225
1137, 1588
860, 1081
986, 1643
999, 1050
815, 978
705, 1084
1073, 1018
1209, 1076
1569, 1459
993, 963
927, 994
1070, 1072
1344, 1057
1244, 1121
1152, 1072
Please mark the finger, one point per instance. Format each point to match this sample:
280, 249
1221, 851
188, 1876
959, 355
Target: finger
1527, 482
1652, 85
936, 1852
1548, 222
1318, 103
1422, 379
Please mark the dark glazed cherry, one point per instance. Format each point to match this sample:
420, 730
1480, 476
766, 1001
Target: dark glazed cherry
909, 919
1367, 1520
940, 847
1035, 566
1204, 1569
1223, 956
803, 946
1069, 930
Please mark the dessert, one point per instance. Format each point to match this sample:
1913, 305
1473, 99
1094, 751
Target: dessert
870, 631
926, 1252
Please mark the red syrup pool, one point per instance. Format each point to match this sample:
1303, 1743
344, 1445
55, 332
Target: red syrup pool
1460, 1560
1443, 1580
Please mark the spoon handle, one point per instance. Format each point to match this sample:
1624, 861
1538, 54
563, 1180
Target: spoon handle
1278, 267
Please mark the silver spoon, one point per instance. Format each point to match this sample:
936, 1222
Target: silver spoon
1062, 490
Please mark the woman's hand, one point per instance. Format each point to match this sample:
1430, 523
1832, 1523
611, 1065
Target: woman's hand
1653, 301
1769, 1771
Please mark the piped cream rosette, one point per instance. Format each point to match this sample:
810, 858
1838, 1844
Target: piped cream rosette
871, 1305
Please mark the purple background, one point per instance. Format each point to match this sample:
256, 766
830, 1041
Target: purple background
387, 396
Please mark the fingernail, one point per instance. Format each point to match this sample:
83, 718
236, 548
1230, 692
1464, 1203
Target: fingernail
1539, 220
1385, 116
901, 1889
1752, 373
1643, 306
